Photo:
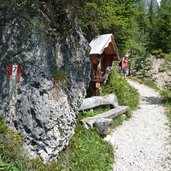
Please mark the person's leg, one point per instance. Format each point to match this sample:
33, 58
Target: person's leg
127, 72
124, 73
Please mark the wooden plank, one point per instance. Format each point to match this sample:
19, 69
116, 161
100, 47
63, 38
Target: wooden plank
113, 112
95, 101
88, 122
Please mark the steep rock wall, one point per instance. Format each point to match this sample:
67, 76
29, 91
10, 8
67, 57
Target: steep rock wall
43, 37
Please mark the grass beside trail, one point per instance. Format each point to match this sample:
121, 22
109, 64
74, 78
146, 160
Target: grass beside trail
166, 97
126, 94
90, 151
150, 83
87, 151
165, 94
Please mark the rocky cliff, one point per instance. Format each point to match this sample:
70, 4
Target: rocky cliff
43, 37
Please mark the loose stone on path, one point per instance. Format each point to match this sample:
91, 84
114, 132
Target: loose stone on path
142, 143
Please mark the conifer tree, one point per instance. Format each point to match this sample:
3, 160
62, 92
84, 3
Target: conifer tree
108, 16
163, 25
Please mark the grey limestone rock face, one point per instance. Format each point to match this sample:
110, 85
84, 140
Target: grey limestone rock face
43, 109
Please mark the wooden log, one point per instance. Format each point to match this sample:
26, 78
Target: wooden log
95, 101
88, 122
102, 126
113, 112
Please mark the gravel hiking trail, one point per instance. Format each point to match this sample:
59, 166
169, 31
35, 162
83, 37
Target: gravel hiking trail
143, 143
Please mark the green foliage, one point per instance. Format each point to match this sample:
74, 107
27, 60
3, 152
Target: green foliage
168, 108
147, 82
162, 36
137, 49
3, 127
90, 152
87, 151
150, 83
60, 75
95, 111
160, 53
99, 17
154, 25
10, 148
117, 121
156, 52
87, 113
166, 95
6, 147
7, 167
168, 56
138, 41
165, 67
126, 94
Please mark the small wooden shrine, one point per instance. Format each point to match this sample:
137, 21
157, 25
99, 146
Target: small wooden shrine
103, 53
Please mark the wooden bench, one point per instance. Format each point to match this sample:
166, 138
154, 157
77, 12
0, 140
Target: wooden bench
104, 120
110, 114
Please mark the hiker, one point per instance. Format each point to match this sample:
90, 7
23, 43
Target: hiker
120, 66
125, 67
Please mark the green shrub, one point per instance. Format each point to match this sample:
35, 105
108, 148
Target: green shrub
12, 157
168, 107
126, 94
157, 52
10, 148
166, 96
60, 75
90, 151
7, 167
3, 127
147, 82
168, 56
93, 112
87, 151
150, 83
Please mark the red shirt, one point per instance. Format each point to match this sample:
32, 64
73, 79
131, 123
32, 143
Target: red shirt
125, 64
